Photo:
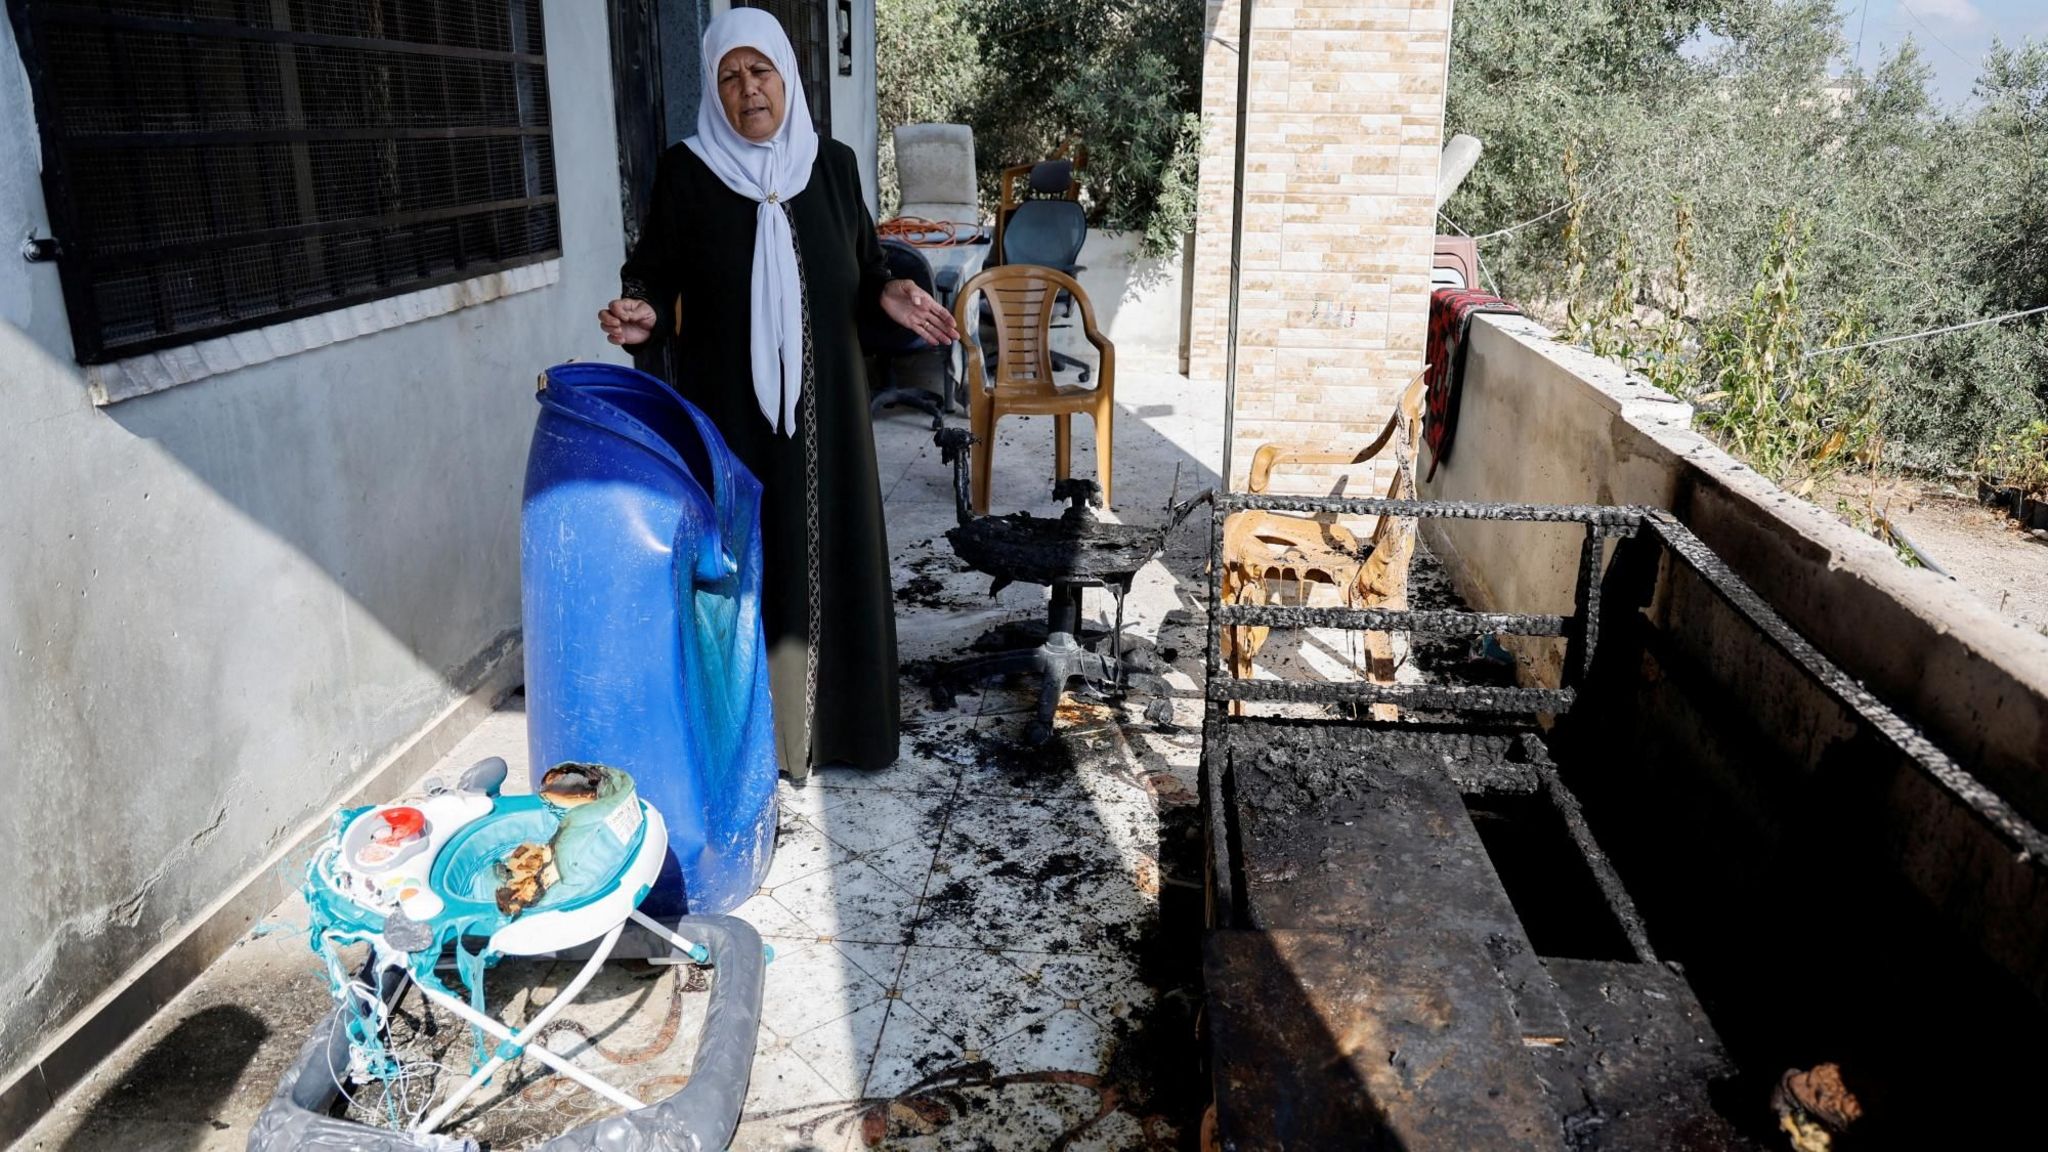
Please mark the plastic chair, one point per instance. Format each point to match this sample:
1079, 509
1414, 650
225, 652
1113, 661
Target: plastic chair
935, 173
887, 341
1455, 263
1260, 548
1018, 378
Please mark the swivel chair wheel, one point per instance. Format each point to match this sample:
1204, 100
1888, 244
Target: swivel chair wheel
1037, 732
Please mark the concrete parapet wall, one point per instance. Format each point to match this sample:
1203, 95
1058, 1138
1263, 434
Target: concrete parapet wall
1137, 298
1539, 421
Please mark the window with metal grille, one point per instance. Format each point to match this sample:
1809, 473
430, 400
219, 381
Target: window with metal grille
217, 165
804, 22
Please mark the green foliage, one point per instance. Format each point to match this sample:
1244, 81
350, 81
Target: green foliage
2019, 457
927, 70
1678, 172
1118, 80
1797, 418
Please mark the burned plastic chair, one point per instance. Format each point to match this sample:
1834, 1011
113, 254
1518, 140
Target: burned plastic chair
888, 341
1017, 379
1264, 548
1068, 554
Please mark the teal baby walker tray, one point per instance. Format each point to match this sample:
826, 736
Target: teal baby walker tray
464, 871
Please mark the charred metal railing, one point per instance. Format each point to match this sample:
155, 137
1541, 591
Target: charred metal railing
1580, 629
1581, 632
1895, 730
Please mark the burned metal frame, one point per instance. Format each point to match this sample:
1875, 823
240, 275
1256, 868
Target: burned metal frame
1581, 632
1067, 555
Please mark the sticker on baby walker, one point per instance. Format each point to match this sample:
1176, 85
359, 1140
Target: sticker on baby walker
624, 821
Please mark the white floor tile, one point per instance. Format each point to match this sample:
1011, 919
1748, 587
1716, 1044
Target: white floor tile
1108, 988
872, 819
912, 1049
851, 902
800, 849
884, 962
774, 921
1069, 1040
841, 1051
909, 864
805, 799
973, 996
813, 985
783, 1080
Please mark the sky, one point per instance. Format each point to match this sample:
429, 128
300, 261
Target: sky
1952, 34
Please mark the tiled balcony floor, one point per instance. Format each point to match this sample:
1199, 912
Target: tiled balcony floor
984, 946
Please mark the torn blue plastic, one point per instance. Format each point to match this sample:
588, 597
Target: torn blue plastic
644, 647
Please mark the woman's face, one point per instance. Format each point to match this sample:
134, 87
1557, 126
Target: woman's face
751, 90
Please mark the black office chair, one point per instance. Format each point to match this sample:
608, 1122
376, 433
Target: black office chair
1047, 230
886, 341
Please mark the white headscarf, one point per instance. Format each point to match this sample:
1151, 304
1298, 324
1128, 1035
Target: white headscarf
770, 173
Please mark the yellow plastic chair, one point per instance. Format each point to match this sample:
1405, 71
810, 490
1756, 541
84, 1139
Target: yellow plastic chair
1021, 298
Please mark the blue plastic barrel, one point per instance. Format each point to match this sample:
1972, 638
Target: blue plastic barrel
644, 650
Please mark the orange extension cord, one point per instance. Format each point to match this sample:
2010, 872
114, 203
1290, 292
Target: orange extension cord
927, 233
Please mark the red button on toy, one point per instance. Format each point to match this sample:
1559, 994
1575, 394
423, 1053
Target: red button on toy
401, 824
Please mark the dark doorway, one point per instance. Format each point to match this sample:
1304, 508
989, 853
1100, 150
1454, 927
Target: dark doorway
809, 32
655, 91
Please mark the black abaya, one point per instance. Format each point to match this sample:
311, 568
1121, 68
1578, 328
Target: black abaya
827, 599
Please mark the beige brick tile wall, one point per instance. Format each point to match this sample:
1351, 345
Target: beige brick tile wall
1344, 129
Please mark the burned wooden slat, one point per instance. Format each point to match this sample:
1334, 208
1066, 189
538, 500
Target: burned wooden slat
1390, 619
1643, 1061
1380, 841
1326, 1040
1620, 521
1429, 696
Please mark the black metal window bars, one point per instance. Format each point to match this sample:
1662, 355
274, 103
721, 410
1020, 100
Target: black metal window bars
212, 166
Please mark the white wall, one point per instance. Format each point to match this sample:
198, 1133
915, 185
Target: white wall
853, 97
222, 602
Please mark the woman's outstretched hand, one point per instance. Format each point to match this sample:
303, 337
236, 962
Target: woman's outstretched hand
914, 308
627, 322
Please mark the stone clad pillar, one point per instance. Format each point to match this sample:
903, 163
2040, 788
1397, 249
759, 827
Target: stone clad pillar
1342, 139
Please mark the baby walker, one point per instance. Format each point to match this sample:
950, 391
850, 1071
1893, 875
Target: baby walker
465, 870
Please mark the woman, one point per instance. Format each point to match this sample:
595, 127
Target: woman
760, 229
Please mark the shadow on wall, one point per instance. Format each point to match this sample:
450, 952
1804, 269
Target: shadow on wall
394, 467
1137, 298
224, 601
